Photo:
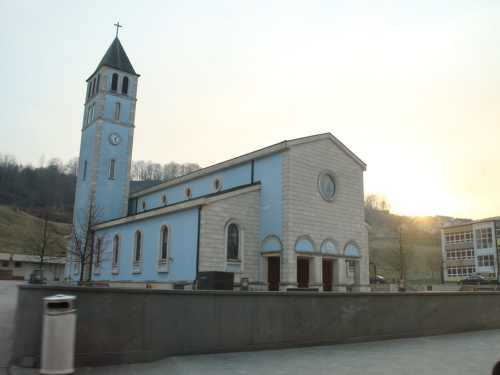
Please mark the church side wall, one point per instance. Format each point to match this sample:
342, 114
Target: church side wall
307, 213
182, 249
244, 210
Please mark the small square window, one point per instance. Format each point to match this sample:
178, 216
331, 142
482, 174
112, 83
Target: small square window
17, 265
5, 264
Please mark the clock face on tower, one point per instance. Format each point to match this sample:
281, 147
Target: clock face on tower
114, 139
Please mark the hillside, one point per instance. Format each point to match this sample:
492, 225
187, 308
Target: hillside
15, 226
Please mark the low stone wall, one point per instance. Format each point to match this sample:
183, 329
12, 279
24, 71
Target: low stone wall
117, 326
393, 288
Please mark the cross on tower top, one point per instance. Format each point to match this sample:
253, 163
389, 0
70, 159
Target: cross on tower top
117, 28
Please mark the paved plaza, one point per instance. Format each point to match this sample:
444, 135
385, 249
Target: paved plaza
466, 353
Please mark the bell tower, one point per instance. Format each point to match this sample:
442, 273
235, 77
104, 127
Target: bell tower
107, 135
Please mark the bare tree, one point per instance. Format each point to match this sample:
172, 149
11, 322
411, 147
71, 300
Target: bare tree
434, 261
85, 250
399, 254
43, 244
71, 167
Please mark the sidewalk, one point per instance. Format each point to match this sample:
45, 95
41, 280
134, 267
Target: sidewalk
466, 353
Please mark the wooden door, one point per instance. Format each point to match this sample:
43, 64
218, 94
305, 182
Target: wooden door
273, 273
303, 273
327, 275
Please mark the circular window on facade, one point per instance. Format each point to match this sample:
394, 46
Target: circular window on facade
143, 206
188, 192
327, 185
216, 184
164, 199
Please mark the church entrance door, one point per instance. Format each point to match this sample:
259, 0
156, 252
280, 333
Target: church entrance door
327, 275
303, 273
273, 273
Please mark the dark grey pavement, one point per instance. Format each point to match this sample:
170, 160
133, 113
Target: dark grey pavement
467, 353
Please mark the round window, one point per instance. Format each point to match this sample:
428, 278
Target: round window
143, 206
188, 192
216, 184
164, 199
327, 185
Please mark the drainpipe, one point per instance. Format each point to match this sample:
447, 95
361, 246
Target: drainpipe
198, 244
91, 256
494, 235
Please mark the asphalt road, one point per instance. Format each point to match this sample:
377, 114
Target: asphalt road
8, 301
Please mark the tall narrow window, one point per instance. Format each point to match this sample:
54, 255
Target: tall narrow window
84, 174
137, 253
163, 248
112, 166
114, 82
97, 85
89, 114
164, 243
94, 86
116, 115
233, 242
116, 249
125, 85
89, 89
98, 249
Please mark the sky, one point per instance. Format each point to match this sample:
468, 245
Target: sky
411, 87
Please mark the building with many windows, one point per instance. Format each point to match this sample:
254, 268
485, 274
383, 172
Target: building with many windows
286, 216
471, 248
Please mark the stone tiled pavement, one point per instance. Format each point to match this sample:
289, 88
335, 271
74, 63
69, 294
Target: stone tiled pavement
466, 353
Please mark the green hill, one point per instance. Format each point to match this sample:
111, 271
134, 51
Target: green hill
15, 226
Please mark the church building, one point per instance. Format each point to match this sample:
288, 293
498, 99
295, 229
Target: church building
287, 216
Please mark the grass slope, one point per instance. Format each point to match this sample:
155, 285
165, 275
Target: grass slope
14, 229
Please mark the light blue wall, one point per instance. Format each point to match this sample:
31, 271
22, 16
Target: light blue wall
86, 152
183, 248
351, 249
304, 245
269, 171
110, 192
232, 177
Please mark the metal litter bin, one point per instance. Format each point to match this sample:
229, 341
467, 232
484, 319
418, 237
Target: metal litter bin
58, 335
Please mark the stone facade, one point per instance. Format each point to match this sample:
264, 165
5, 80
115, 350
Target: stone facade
244, 210
307, 213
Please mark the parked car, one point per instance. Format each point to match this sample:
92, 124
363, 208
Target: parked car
474, 280
377, 280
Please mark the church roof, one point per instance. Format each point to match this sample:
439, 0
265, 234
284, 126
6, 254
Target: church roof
116, 58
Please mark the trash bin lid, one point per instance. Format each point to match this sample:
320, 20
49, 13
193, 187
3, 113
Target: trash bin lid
59, 298
58, 304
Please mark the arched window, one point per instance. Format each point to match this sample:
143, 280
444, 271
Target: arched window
89, 114
233, 242
125, 85
117, 112
116, 249
112, 166
137, 252
164, 243
114, 82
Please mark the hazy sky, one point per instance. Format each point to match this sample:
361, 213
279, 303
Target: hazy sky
411, 87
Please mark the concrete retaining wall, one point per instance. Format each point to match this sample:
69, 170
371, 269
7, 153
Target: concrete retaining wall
117, 326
